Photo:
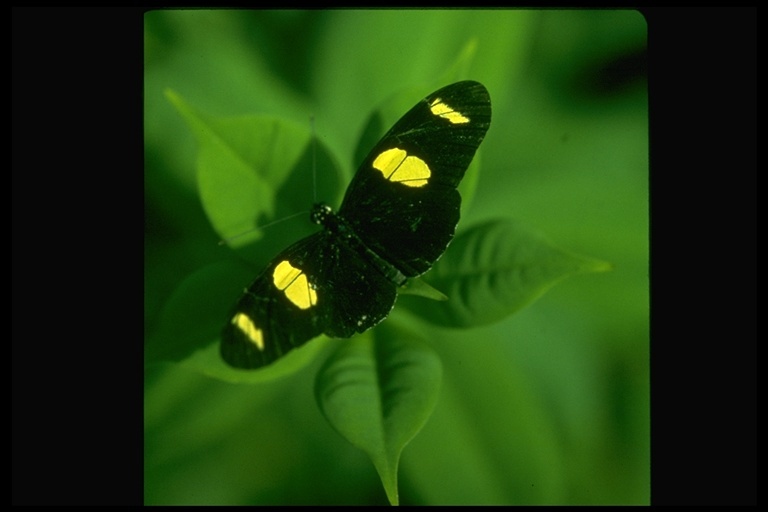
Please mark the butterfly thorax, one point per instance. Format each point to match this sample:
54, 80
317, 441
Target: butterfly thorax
321, 213
337, 226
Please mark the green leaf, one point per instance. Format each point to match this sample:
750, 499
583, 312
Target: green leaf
378, 391
418, 286
461, 66
195, 312
256, 169
494, 269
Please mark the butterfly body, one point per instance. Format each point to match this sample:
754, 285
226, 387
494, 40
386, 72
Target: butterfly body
341, 232
397, 218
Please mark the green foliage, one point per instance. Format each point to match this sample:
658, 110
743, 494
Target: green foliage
378, 391
547, 406
493, 270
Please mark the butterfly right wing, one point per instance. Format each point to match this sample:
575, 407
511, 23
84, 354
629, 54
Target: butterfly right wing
403, 202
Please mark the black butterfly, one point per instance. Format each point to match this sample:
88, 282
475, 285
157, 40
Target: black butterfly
398, 216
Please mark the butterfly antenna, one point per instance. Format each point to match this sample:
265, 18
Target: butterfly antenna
314, 159
269, 224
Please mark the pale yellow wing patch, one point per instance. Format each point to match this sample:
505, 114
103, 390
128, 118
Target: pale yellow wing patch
293, 282
247, 327
397, 166
442, 109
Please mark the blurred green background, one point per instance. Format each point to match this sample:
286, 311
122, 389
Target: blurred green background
551, 405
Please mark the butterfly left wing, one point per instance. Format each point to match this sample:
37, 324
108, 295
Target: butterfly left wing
318, 285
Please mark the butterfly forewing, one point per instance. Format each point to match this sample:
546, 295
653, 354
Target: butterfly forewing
265, 324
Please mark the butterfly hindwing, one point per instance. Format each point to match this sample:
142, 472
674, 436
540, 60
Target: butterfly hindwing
398, 216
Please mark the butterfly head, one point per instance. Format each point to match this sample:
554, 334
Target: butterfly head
320, 213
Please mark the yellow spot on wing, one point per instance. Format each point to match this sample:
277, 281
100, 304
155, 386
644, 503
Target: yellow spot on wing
397, 166
443, 110
293, 282
247, 327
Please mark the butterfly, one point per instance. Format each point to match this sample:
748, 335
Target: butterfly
398, 215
